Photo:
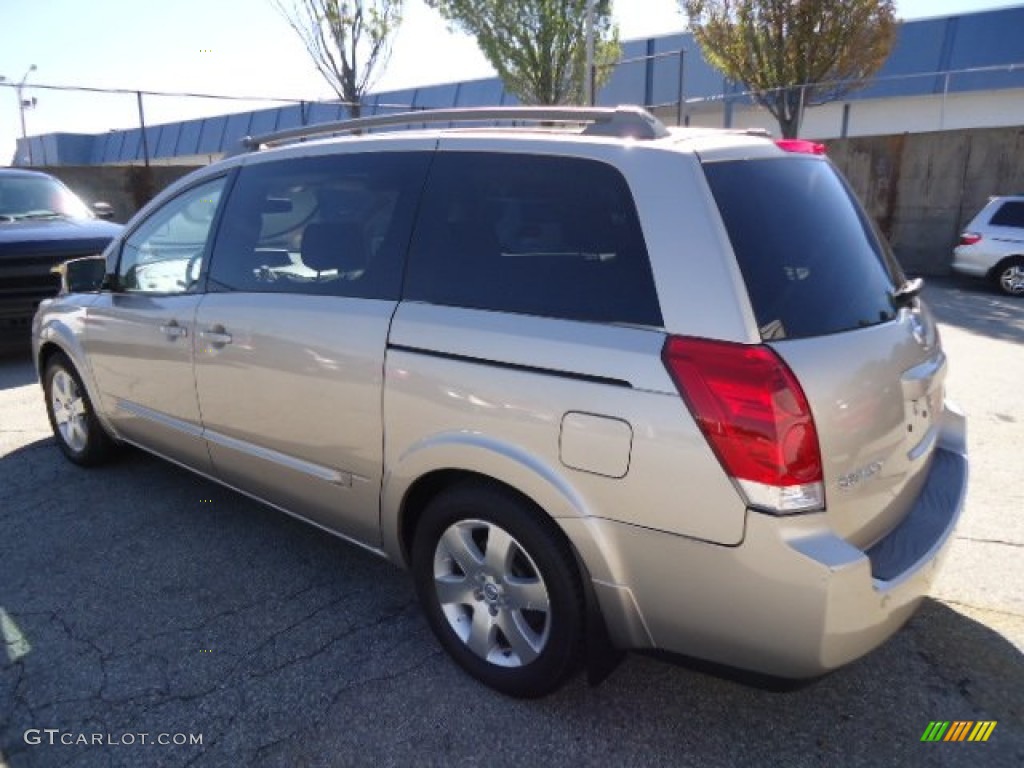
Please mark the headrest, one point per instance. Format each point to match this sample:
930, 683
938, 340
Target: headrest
334, 245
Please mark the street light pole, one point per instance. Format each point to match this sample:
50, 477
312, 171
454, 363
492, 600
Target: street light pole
21, 111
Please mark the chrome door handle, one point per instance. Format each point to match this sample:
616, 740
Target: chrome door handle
216, 336
173, 331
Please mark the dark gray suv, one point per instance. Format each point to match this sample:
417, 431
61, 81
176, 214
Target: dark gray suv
42, 223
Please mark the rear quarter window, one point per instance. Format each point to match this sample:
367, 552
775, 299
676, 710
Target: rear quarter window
811, 260
541, 235
1009, 214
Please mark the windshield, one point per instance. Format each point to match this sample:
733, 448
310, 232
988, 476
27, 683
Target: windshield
812, 261
38, 197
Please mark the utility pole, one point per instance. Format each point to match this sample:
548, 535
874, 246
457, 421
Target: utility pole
588, 77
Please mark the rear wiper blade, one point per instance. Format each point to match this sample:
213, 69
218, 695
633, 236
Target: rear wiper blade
907, 292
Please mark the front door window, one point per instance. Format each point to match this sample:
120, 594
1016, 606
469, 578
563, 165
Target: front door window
165, 254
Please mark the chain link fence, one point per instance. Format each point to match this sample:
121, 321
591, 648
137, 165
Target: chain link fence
48, 110
659, 80
886, 104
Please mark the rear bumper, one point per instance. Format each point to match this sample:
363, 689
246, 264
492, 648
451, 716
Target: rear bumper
968, 260
793, 599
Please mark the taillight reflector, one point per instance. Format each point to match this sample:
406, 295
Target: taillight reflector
969, 238
756, 418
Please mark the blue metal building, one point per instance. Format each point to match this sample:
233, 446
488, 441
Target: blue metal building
945, 72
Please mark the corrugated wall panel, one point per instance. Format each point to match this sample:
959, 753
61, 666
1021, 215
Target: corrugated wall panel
477, 93
188, 139
211, 135
167, 143
264, 121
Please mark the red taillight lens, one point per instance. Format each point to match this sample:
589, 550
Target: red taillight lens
755, 415
969, 238
801, 146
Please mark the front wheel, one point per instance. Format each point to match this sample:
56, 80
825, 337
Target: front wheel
500, 589
79, 434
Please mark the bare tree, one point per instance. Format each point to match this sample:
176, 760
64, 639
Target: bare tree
349, 41
794, 54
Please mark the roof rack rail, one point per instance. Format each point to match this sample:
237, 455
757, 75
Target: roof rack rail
604, 121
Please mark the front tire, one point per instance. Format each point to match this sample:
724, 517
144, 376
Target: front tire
80, 436
500, 589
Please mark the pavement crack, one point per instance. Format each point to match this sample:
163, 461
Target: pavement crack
7, 717
380, 620
260, 754
259, 602
980, 540
985, 608
408, 669
403, 672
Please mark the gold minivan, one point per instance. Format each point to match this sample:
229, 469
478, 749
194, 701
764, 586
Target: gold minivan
598, 383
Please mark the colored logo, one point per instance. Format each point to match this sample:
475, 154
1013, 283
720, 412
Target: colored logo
958, 730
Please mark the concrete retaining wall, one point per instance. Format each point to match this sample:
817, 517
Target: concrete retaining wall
923, 188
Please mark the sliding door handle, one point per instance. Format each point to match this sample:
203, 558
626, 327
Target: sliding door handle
217, 336
174, 331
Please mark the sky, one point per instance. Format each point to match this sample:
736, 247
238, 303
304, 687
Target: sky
242, 48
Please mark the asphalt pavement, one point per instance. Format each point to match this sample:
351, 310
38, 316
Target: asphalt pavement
150, 617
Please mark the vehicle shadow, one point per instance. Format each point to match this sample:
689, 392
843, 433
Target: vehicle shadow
976, 306
141, 598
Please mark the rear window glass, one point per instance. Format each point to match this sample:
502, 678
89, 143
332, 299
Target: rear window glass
1009, 215
811, 260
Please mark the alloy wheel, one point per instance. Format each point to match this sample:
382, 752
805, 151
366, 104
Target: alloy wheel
492, 593
69, 411
1012, 279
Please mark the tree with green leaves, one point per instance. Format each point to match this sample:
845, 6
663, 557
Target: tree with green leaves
349, 41
538, 47
794, 54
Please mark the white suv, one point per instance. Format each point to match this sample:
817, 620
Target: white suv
605, 388
993, 245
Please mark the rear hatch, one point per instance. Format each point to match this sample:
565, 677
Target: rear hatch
823, 287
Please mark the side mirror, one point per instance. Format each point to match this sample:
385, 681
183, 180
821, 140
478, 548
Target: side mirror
103, 210
83, 275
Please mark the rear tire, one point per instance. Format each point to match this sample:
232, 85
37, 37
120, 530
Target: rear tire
500, 589
80, 436
1009, 276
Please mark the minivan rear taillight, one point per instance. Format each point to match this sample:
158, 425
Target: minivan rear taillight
801, 146
756, 418
969, 238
